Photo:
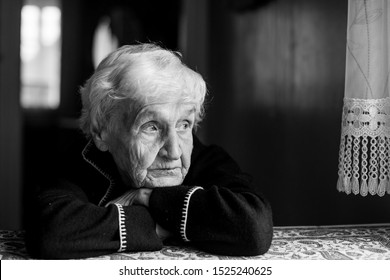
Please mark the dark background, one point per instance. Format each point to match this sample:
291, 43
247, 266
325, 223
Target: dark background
275, 73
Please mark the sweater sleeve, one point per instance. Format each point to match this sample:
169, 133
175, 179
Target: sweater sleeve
219, 212
66, 225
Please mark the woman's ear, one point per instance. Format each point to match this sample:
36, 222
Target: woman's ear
101, 139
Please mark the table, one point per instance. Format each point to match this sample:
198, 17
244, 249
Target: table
346, 242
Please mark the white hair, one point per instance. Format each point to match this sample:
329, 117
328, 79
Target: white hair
141, 74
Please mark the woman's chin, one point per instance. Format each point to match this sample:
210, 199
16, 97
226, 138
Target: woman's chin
162, 182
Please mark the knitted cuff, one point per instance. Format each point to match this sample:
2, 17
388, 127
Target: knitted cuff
122, 228
183, 222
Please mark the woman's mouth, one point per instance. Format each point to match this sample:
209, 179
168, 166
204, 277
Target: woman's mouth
165, 172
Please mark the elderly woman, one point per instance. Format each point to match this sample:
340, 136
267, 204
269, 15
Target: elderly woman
143, 177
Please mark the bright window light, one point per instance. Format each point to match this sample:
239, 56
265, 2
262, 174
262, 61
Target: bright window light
40, 54
51, 25
30, 32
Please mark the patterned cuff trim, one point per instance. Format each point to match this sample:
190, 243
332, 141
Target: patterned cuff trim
183, 224
122, 228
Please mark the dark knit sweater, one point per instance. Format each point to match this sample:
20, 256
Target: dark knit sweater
216, 210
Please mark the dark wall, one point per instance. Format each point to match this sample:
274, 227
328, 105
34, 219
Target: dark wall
276, 77
10, 117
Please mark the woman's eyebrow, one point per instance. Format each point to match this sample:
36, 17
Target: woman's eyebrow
188, 112
145, 115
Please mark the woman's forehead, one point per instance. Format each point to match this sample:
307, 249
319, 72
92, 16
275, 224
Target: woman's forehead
151, 85
139, 100
165, 109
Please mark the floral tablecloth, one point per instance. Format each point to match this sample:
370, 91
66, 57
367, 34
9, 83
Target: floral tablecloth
321, 243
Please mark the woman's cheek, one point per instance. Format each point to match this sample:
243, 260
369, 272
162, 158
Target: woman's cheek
187, 147
142, 156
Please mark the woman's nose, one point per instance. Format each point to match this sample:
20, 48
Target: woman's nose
171, 148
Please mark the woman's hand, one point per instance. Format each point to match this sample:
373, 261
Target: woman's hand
142, 196
134, 196
125, 199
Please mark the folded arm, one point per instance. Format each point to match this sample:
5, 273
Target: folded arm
218, 211
67, 225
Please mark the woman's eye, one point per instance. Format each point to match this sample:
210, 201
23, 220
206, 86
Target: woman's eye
183, 126
150, 127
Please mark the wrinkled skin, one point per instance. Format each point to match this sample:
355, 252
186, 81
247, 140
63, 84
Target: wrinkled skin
153, 149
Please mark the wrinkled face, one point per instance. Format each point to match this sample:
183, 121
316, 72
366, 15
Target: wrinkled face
153, 148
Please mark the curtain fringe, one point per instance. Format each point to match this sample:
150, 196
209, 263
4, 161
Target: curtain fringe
364, 165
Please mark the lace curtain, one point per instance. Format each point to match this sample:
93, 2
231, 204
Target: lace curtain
364, 164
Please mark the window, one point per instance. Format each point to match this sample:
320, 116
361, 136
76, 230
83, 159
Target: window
40, 54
